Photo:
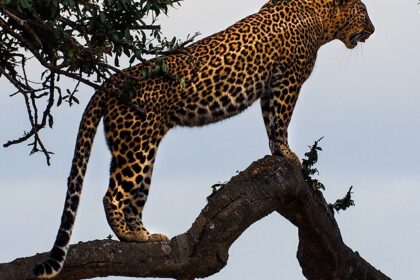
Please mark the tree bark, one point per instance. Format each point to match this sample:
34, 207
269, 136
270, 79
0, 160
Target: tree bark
270, 184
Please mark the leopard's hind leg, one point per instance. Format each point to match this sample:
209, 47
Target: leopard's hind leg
133, 138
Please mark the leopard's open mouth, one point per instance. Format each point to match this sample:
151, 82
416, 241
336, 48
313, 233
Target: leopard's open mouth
359, 37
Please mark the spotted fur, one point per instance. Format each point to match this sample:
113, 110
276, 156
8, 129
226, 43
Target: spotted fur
265, 56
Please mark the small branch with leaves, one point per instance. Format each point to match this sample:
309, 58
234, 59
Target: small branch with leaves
74, 39
308, 170
344, 203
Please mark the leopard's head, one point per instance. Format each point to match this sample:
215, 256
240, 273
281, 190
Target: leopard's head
350, 22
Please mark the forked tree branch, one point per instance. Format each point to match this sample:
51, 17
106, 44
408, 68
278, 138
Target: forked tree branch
270, 184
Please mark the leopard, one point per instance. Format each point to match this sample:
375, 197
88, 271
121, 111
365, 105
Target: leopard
266, 56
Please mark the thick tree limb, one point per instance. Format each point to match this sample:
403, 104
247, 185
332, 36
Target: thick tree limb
270, 184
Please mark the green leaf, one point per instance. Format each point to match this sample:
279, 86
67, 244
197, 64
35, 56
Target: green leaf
60, 100
25, 4
127, 34
73, 98
71, 4
102, 17
165, 67
50, 120
115, 38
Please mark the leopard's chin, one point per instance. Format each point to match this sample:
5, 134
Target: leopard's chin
358, 37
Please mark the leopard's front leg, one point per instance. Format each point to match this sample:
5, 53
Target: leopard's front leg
277, 106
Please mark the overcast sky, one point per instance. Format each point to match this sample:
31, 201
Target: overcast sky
366, 102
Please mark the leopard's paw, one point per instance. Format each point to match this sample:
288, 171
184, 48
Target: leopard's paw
157, 237
287, 153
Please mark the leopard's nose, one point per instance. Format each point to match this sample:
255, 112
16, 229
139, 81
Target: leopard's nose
369, 26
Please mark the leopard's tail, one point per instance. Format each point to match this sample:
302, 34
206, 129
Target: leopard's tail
87, 130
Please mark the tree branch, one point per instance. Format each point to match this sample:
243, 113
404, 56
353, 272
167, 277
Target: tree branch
44, 62
270, 184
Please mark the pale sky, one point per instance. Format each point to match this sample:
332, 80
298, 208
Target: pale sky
365, 102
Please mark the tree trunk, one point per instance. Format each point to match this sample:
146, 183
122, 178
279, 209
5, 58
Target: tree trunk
270, 184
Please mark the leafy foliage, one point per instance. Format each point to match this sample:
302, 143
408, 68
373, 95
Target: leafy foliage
74, 38
344, 203
79, 34
308, 168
